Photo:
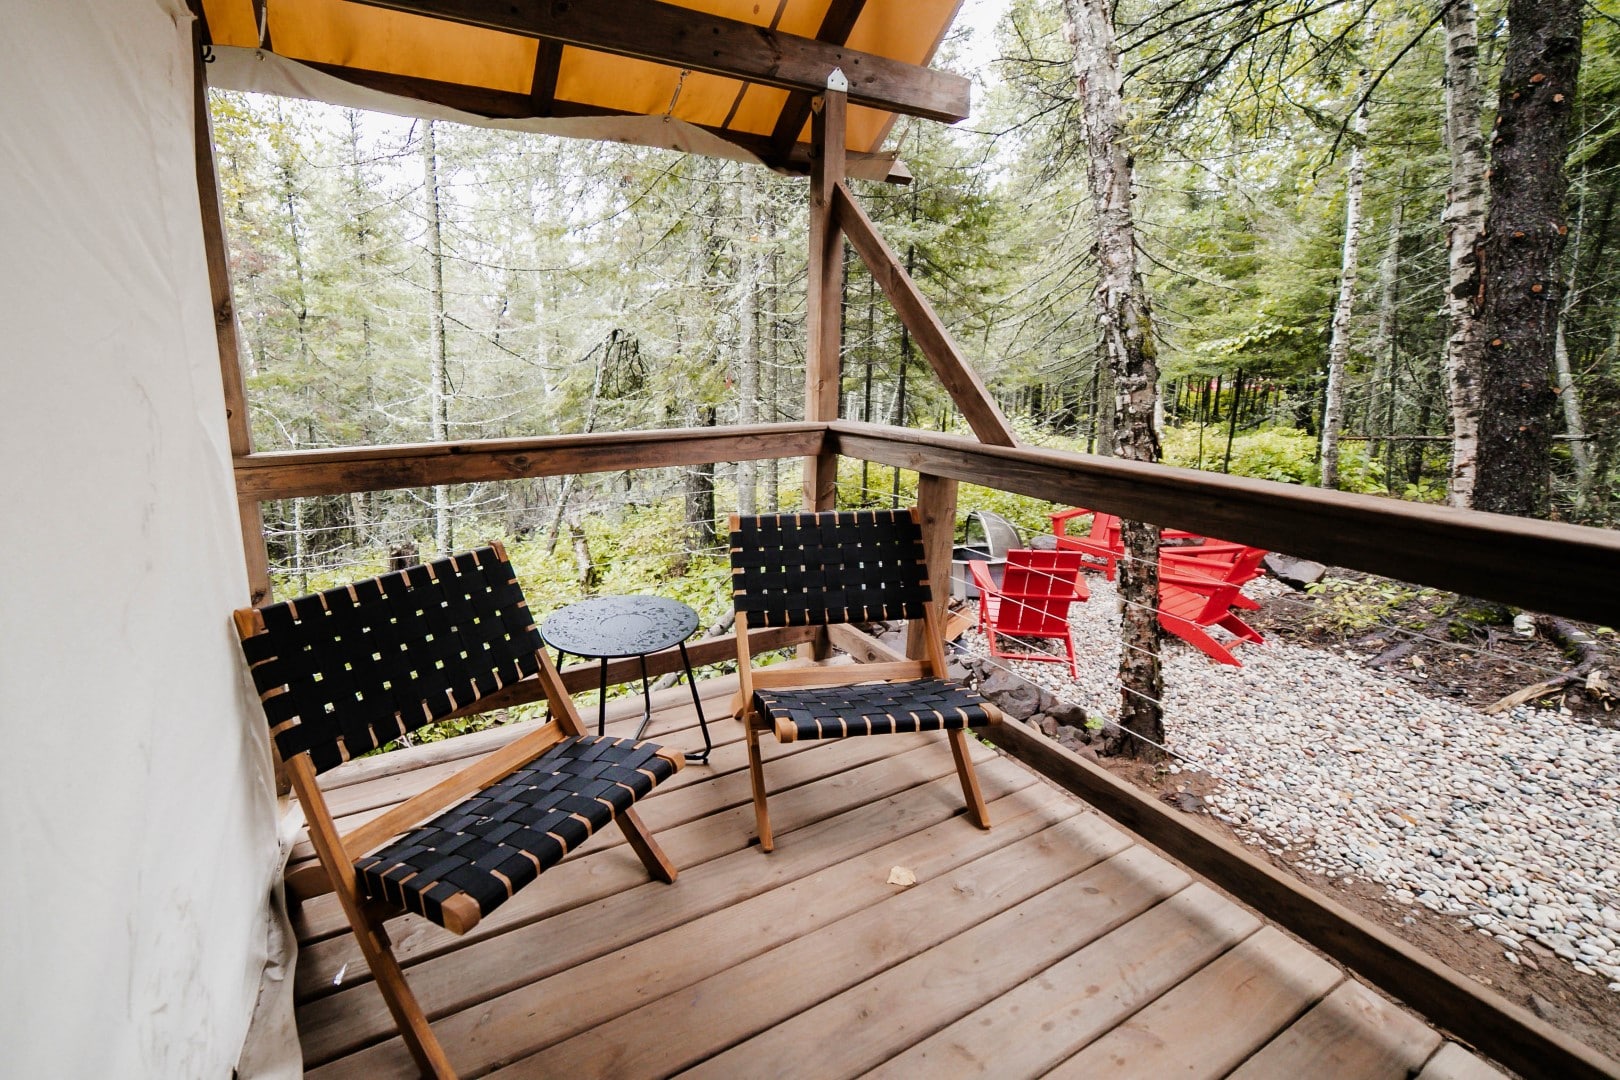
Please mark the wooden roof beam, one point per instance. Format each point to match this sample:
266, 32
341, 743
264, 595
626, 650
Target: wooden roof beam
836, 26
666, 34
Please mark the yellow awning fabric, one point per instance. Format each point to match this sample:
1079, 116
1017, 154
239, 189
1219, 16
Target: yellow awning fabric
512, 79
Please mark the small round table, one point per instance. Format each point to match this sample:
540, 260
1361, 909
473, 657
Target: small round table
611, 627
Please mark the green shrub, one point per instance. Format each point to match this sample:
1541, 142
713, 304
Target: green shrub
1282, 454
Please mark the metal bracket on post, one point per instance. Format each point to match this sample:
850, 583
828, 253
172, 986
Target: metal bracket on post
838, 81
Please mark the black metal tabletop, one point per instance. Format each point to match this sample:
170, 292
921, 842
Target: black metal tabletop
611, 626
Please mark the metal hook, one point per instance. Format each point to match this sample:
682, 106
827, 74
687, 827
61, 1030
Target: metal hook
676, 96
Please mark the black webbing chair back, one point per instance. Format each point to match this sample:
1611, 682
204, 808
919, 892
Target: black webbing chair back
345, 671
830, 567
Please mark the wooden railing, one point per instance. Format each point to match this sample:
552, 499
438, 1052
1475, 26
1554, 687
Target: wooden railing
1547, 567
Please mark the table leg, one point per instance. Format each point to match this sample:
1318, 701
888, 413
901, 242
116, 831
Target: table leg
601, 701
695, 756
646, 700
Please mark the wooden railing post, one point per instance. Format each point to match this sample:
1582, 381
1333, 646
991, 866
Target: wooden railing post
826, 285
219, 286
936, 505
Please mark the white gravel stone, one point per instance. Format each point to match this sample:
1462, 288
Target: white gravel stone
1509, 822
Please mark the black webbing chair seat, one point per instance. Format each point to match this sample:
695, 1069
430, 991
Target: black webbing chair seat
500, 839
833, 712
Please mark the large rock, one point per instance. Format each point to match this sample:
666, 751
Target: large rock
1068, 713
1013, 694
1295, 573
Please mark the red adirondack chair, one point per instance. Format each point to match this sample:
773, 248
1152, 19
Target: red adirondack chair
1235, 564
1032, 601
1102, 548
1190, 602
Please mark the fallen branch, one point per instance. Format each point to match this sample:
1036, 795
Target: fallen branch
1588, 654
1399, 649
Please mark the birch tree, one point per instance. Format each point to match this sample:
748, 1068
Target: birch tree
1127, 325
1464, 219
438, 372
1349, 266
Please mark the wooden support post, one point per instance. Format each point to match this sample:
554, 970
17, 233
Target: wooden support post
824, 304
230, 363
936, 506
254, 554
826, 280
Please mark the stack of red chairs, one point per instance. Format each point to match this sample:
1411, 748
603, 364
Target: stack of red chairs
1200, 579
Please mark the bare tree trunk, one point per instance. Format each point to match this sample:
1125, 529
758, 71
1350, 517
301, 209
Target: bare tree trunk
1127, 326
1569, 395
584, 568
602, 352
749, 271
700, 493
1464, 219
1381, 387
438, 373
1339, 339
771, 354
1524, 237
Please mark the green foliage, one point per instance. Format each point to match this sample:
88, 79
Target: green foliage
1280, 454
1351, 605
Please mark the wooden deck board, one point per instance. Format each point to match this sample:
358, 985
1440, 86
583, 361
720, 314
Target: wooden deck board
667, 814
1050, 1016
1452, 1062
481, 967
1212, 1022
888, 1012
768, 989
550, 1010
1352, 1034
1055, 943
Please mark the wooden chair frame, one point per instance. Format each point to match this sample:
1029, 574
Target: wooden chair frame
931, 666
338, 852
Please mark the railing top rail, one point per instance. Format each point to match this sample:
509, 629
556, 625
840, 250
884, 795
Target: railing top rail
293, 473
1547, 566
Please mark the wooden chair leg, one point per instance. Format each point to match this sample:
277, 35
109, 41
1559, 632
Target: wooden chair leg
407, 1012
646, 848
970, 779
756, 776
368, 928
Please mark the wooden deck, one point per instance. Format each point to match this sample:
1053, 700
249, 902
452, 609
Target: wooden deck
1055, 944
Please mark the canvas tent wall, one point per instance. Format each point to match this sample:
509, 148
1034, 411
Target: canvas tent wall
139, 842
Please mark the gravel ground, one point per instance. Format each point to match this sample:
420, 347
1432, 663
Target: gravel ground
1507, 822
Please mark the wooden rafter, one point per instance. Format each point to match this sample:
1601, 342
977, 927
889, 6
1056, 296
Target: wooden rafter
507, 105
666, 34
836, 27
543, 91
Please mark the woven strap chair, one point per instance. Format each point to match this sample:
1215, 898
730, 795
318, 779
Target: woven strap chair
344, 671
844, 567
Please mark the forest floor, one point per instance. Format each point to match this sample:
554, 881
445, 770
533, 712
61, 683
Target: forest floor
1374, 730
